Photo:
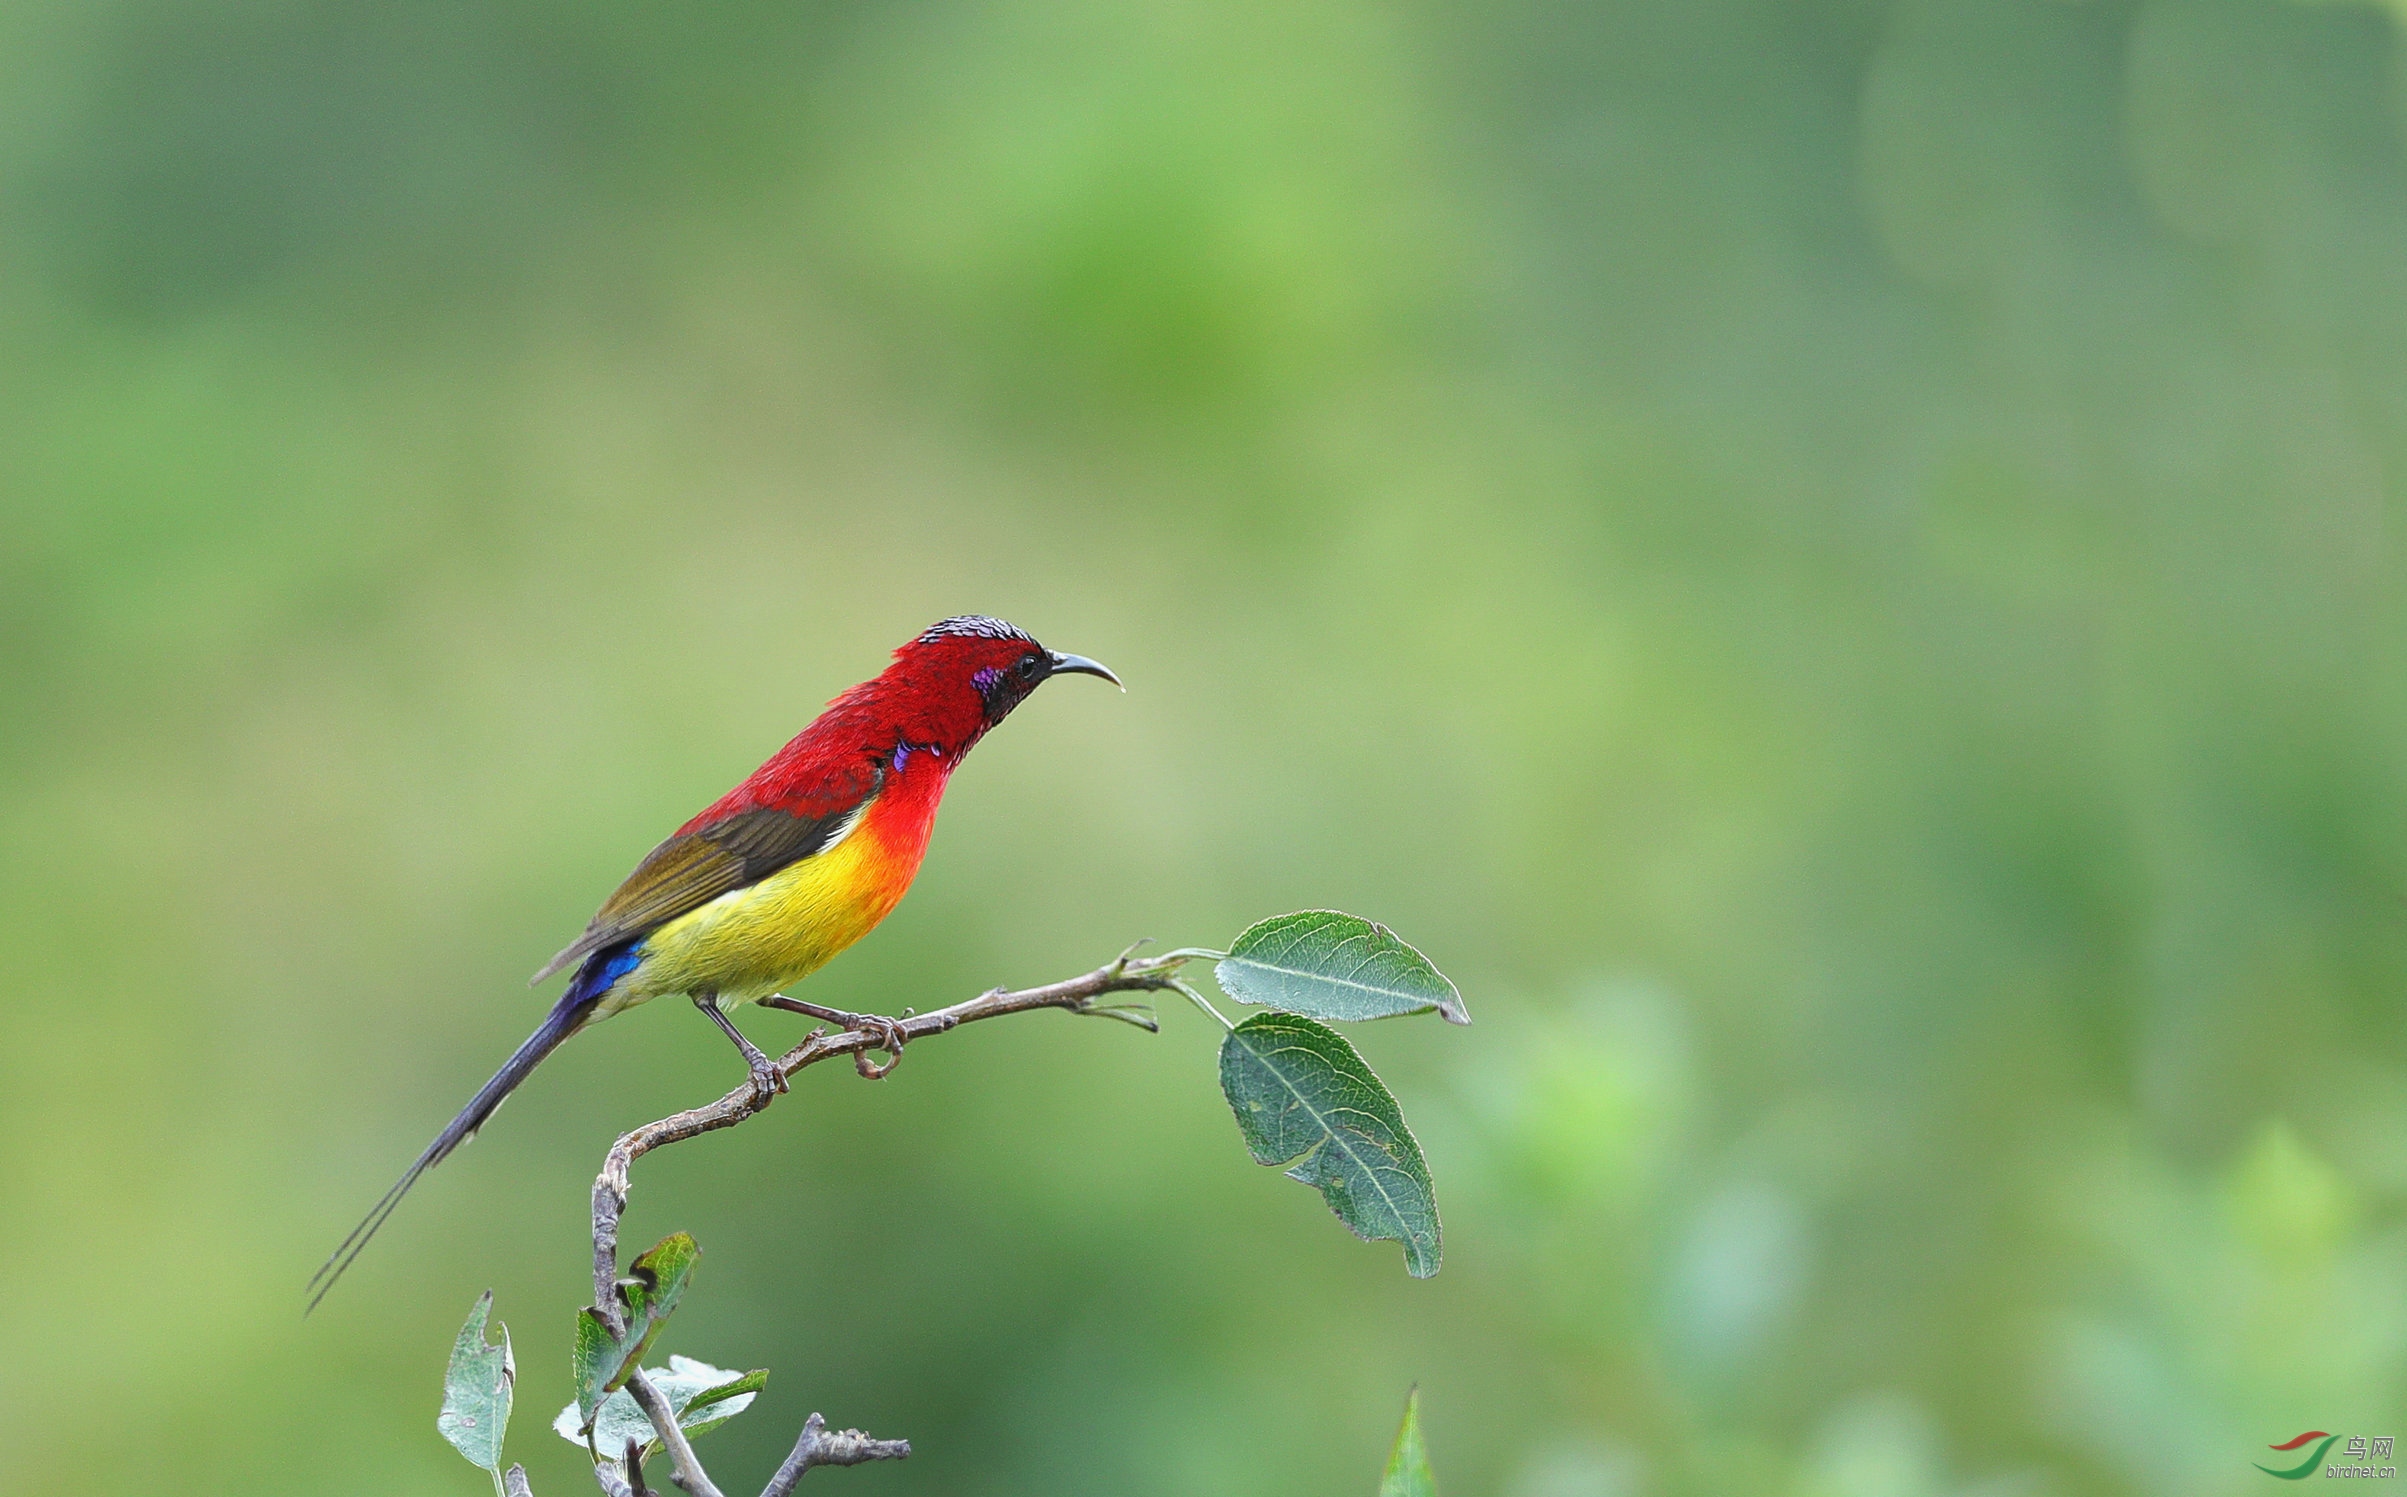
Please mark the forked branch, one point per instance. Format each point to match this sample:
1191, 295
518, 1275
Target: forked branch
818, 1447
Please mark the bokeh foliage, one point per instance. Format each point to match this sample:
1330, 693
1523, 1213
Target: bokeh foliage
1832, 562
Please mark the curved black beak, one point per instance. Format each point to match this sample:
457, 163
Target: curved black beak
1079, 665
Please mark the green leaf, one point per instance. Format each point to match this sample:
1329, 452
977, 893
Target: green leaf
648, 1295
476, 1391
1303, 1098
660, 1276
1408, 1473
597, 1358
704, 1397
1327, 965
720, 1402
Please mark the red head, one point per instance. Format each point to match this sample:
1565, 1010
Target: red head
909, 725
963, 676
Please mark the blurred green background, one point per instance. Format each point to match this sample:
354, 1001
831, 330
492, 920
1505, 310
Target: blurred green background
1835, 563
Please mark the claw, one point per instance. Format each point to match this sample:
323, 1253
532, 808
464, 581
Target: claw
767, 1079
884, 1033
887, 1035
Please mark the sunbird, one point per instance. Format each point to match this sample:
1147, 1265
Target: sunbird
775, 877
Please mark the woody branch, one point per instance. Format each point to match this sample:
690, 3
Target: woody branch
1128, 974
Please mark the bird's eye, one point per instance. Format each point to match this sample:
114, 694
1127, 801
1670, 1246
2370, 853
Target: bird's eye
1028, 665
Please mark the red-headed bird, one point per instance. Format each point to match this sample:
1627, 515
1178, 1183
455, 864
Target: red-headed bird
782, 872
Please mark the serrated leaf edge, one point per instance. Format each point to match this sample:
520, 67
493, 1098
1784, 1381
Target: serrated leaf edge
1329, 1135
1450, 1008
471, 1343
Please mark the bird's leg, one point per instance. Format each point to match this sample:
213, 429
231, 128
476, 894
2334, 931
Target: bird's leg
885, 1034
767, 1080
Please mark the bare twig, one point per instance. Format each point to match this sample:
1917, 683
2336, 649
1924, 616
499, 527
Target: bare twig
846, 1447
1077, 994
816, 1447
685, 1470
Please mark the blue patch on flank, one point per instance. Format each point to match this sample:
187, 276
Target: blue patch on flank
604, 968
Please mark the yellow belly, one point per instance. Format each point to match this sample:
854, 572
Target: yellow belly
749, 943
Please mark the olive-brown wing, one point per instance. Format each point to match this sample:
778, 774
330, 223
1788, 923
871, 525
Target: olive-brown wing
693, 868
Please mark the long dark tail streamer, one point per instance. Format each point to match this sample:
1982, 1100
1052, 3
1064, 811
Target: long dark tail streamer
558, 1025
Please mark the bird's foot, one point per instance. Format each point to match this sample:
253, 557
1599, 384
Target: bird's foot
885, 1034
882, 1033
767, 1079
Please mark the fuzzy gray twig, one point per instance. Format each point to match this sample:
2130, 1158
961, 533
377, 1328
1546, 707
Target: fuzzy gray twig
816, 1447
